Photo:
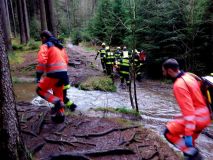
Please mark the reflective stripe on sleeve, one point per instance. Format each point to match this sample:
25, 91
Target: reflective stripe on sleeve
190, 126
189, 118
201, 110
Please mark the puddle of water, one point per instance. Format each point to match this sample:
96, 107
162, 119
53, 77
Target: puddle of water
24, 91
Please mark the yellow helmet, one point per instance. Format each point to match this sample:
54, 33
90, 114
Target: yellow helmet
136, 51
107, 47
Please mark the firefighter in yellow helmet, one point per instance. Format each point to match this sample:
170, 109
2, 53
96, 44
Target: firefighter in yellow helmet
102, 53
110, 60
138, 65
125, 67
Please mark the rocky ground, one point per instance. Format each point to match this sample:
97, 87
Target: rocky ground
88, 138
82, 137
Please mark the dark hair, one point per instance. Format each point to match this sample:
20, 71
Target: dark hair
171, 63
47, 34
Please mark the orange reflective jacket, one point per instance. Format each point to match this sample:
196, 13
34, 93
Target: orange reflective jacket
51, 60
192, 103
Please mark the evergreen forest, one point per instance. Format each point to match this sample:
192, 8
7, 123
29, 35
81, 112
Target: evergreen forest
180, 29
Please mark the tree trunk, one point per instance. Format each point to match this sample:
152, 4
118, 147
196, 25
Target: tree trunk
12, 17
130, 96
11, 144
23, 21
8, 16
133, 28
43, 15
26, 20
68, 15
5, 24
50, 16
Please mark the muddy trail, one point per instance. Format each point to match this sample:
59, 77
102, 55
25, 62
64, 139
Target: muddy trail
86, 138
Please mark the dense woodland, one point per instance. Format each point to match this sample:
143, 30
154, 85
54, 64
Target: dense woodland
180, 29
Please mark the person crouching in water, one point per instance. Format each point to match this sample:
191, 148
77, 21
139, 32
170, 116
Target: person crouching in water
195, 117
52, 60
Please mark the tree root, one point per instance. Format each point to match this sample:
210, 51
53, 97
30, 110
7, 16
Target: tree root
85, 143
68, 142
61, 128
105, 132
59, 142
29, 132
116, 151
80, 123
207, 134
37, 126
68, 156
37, 148
156, 153
131, 140
29, 116
83, 155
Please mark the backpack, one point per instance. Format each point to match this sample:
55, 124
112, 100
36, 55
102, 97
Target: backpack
206, 86
142, 56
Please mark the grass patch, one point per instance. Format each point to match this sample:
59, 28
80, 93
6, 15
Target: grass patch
16, 80
98, 83
19, 50
88, 47
122, 110
31, 45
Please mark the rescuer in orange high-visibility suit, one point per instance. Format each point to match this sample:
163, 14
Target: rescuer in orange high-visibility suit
52, 59
183, 131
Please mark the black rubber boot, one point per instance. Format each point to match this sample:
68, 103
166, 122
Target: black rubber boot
196, 156
58, 117
72, 107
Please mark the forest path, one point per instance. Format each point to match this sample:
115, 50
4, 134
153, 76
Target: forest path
156, 102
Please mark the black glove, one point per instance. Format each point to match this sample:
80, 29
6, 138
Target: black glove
38, 76
60, 83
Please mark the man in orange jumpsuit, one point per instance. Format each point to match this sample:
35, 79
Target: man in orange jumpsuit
52, 59
183, 132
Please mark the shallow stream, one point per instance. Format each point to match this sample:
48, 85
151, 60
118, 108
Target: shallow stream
156, 104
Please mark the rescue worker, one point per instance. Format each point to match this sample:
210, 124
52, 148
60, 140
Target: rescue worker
125, 68
117, 54
138, 65
68, 103
52, 59
102, 53
110, 61
183, 131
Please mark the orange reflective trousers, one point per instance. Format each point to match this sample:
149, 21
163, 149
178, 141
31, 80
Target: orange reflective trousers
176, 130
47, 84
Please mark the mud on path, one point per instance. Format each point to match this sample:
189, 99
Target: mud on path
88, 138
82, 64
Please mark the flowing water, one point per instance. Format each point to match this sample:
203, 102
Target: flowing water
156, 104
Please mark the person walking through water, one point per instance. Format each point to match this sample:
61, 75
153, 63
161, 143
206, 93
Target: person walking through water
102, 53
52, 60
183, 132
